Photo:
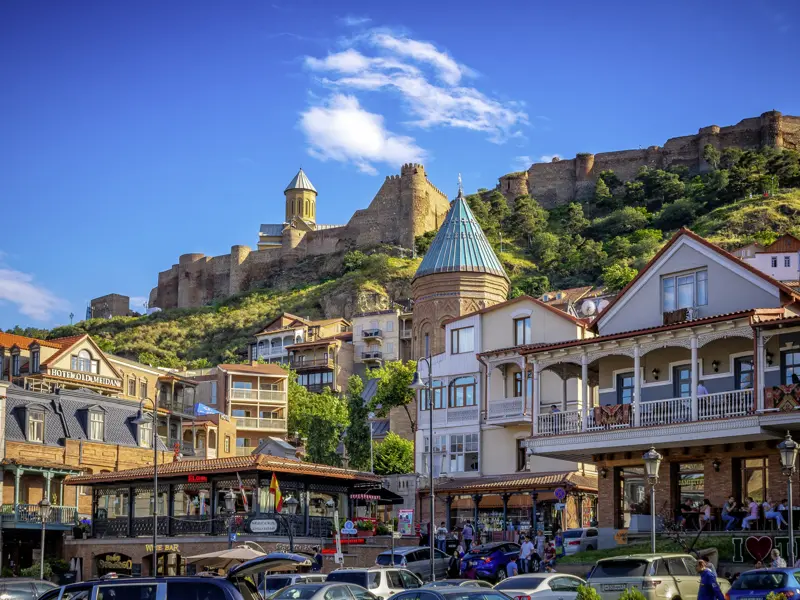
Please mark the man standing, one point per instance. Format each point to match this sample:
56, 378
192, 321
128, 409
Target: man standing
511, 567
441, 538
526, 556
467, 534
709, 588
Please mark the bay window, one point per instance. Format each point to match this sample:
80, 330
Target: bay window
463, 452
463, 392
438, 396
684, 290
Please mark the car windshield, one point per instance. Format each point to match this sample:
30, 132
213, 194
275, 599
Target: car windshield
467, 594
761, 580
298, 592
385, 560
573, 533
620, 568
519, 583
357, 577
276, 582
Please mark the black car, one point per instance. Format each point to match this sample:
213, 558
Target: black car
451, 593
19, 588
238, 585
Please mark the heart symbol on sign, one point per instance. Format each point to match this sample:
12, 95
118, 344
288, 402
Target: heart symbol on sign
758, 547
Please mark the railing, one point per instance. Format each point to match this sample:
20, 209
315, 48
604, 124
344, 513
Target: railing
261, 423
262, 395
560, 423
502, 409
312, 363
372, 355
664, 412
188, 449
725, 404
244, 450
405, 334
318, 387
462, 415
372, 333
31, 513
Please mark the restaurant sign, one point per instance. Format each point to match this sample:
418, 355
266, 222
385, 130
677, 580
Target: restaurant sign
263, 526
198, 479
115, 562
85, 377
163, 548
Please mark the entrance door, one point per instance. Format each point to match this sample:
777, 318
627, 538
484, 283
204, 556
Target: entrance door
682, 381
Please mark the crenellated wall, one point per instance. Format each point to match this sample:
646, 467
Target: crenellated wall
406, 205
565, 180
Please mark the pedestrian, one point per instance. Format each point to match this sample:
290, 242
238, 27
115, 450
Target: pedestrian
317, 567
467, 533
441, 538
776, 561
549, 559
709, 588
541, 540
511, 567
526, 556
510, 531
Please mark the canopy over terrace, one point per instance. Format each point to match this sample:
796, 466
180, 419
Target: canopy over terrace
522, 499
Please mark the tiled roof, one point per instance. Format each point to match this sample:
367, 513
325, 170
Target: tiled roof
283, 316
9, 339
230, 464
493, 307
380, 427
271, 229
300, 182
347, 336
35, 462
64, 343
520, 482
255, 369
460, 245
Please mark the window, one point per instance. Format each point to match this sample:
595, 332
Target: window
146, 435
691, 483
189, 590
682, 382
787, 261
522, 331
227, 444
132, 386
518, 384
35, 361
213, 395
633, 494
438, 396
790, 367
83, 362
754, 478
463, 452
439, 454
625, 385
522, 456
773, 262
35, 425
15, 365
684, 291
462, 340
389, 325
743, 372
462, 392
96, 425
126, 592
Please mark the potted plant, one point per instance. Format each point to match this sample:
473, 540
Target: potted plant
382, 530
365, 528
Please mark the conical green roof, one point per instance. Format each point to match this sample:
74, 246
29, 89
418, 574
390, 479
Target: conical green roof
300, 182
460, 245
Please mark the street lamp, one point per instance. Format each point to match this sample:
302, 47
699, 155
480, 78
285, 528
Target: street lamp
418, 384
652, 462
141, 420
230, 510
788, 449
371, 416
44, 513
290, 506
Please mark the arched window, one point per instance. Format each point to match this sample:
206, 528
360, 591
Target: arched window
83, 362
276, 344
462, 392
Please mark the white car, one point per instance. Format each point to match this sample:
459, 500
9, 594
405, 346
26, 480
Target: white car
545, 586
577, 540
381, 581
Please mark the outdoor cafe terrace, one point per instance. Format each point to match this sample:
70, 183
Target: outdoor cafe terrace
191, 497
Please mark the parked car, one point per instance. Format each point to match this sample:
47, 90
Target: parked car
577, 540
272, 583
756, 585
547, 586
324, 591
237, 585
657, 576
453, 593
490, 560
19, 588
471, 583
381, 581
416, 559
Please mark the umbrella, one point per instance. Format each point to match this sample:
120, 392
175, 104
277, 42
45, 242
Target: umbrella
225, 558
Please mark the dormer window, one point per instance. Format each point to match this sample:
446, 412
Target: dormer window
83, 361
15, 364
684, 290
97, 425
146, 435
35, 361
35, 428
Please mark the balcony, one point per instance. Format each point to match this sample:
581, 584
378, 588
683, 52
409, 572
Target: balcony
311, 363
507, 411
405, 334
372, 334
272, 396
372, 356
261, 424
28, 516
244, 450
318, 387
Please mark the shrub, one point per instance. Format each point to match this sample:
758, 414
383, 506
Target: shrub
632, 594
587, 592
776, 596
382, 530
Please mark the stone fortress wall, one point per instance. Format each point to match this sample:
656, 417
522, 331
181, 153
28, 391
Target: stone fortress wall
406, 205
565, 180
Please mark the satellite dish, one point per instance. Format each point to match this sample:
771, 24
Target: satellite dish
588, 308
602, 304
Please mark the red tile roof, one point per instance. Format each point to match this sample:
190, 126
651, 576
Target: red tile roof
339, 337
230, 464
64, 343
255, 368
7, 340
520, 481
552, 309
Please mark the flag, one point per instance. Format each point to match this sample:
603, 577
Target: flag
275, 490
244, 496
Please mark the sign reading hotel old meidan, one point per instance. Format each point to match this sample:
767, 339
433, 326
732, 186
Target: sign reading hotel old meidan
85, 377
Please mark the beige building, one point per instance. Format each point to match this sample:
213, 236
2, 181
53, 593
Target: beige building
272, 343
376, 337
325, 362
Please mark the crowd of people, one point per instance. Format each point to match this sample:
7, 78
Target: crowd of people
701, 515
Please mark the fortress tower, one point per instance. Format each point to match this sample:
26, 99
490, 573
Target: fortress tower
301, 200
459, 274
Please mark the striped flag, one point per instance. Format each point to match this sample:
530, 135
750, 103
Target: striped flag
275, 490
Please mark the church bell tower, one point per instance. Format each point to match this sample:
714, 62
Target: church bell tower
301, 201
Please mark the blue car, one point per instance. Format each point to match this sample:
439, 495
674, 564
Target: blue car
488, 561
755, 585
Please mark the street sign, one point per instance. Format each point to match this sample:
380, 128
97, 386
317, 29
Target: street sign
560, 493
264, 526
560, 505
349, 528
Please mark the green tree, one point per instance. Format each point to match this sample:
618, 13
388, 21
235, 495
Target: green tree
322, 418
354, 260
620, 222
678, 214
602, 195
527, 218
393, 380
575, 222
712, 156
423, 242
534, 286
357, 438
394, 455
617, 275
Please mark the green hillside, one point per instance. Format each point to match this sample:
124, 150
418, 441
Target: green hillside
602, 239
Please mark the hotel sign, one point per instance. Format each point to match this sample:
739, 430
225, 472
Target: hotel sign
85, 377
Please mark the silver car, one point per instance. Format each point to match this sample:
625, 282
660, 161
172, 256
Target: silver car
416, 559
578, 540
544, 586
324, 591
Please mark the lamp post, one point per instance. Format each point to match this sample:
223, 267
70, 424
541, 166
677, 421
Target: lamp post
141, 420
44, 513
230, 510
652, 462
788, 449
290, 505
418, 384
371, 416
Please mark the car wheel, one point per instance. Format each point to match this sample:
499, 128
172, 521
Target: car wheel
589, 548
501, 574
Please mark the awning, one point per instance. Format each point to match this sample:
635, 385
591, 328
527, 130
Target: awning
380, 495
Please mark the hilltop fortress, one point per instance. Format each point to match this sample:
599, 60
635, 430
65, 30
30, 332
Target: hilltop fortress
565, 180
406, 205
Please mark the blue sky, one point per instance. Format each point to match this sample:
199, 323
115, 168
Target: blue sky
133, 132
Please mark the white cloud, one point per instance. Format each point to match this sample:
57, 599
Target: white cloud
354, 21
137, 303
424, 52
31, 299
342, 130
521, 163
549, 157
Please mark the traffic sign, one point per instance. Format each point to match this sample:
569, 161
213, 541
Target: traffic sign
560, 493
